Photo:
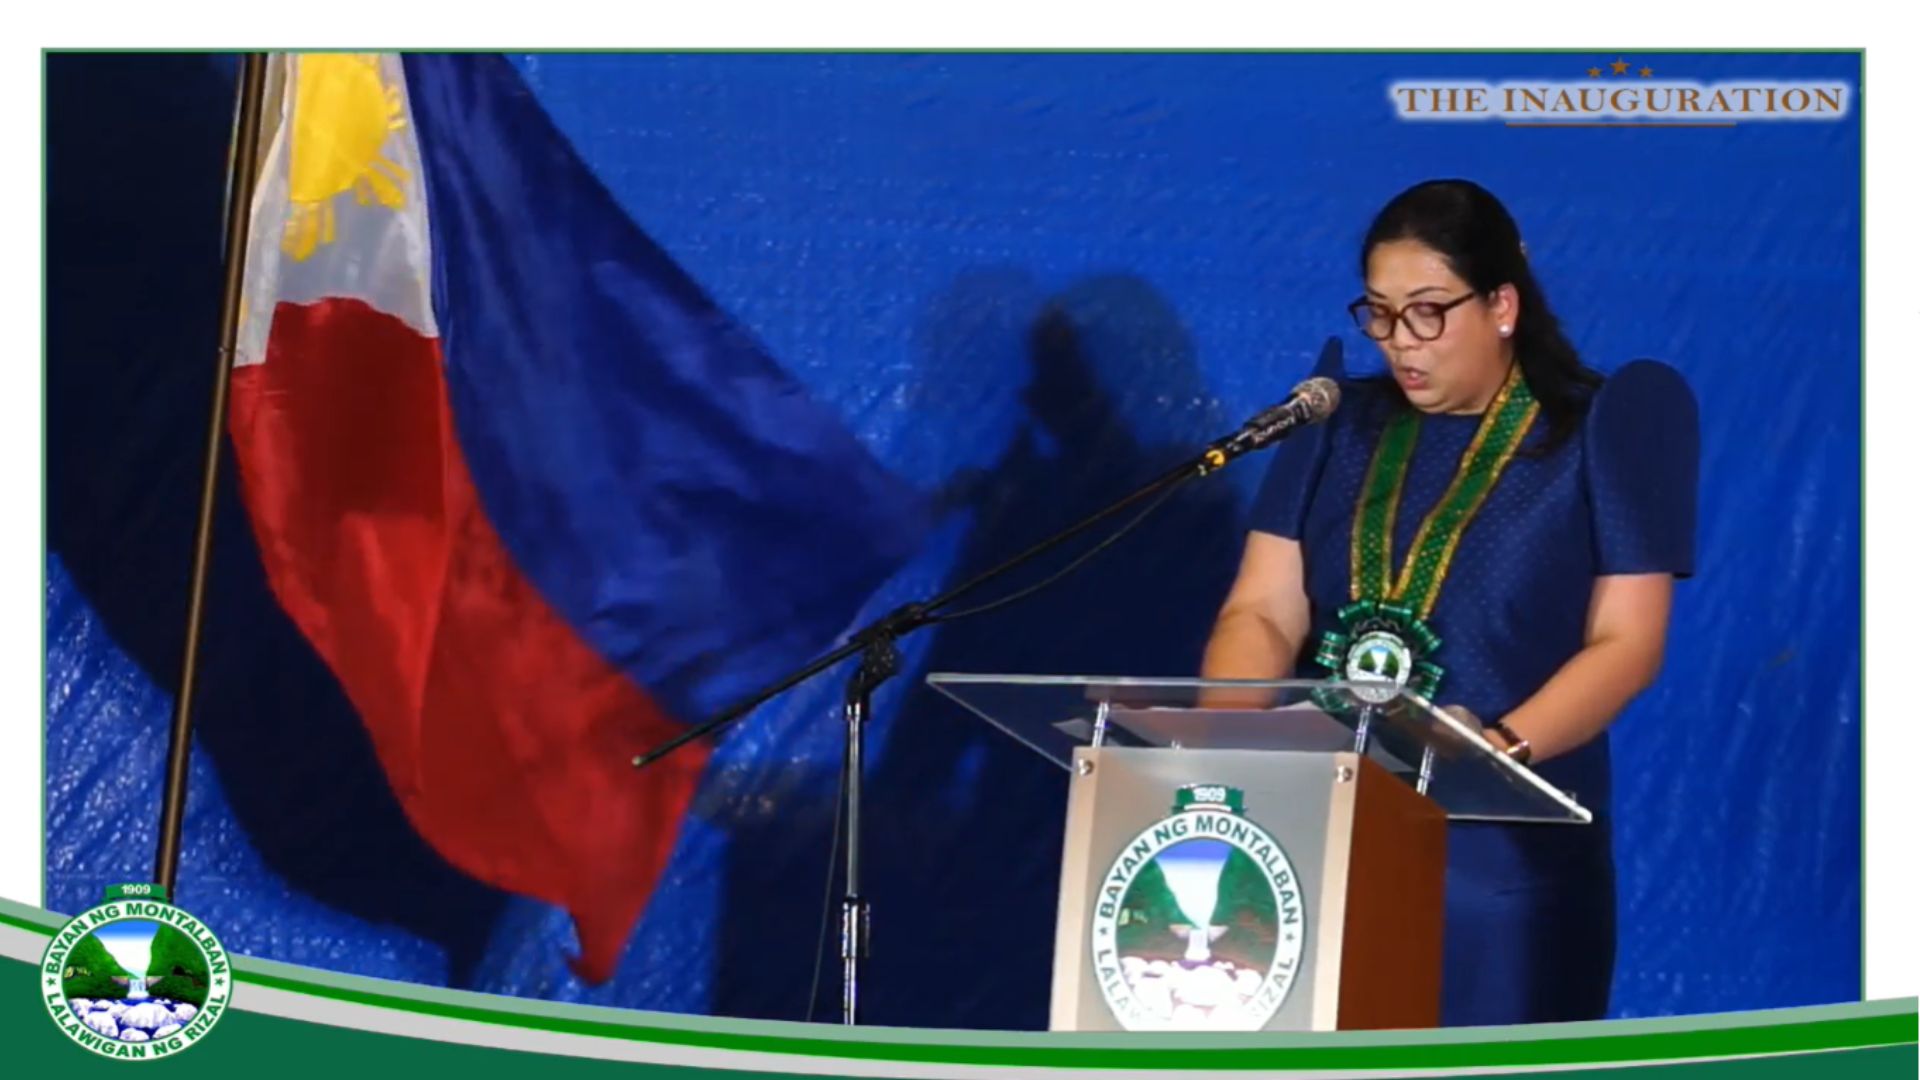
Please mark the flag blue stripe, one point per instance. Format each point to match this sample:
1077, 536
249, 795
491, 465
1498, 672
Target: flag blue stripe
675, 494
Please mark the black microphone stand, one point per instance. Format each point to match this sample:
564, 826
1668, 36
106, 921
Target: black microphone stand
876, 645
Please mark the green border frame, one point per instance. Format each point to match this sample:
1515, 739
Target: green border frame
1715, 1036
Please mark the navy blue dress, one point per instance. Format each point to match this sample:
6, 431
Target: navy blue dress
1530, 908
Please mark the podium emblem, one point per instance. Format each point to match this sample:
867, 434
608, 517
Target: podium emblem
1199, 923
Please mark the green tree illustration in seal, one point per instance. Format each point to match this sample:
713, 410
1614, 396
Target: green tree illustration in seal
177, 969
91, 972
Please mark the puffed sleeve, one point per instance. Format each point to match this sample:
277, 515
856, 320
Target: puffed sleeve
1294, 472
1642, 447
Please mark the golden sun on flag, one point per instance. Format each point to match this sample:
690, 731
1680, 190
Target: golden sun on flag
343, 113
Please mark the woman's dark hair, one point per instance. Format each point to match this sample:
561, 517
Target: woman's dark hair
1471, 229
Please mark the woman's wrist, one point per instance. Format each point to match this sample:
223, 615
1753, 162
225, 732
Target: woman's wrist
1510, 742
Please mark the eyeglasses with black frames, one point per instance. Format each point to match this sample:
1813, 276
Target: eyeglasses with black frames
1426, 319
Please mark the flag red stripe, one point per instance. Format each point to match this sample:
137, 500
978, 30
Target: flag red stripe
505, 736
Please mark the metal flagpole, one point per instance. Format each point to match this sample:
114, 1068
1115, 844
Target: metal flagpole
245, 168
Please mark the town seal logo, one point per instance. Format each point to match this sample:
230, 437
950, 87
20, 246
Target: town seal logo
134, 977
1199, 924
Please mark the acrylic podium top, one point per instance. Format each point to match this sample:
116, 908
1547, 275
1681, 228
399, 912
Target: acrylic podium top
1429, 749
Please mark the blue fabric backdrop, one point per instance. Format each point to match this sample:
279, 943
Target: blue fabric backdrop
1025, 282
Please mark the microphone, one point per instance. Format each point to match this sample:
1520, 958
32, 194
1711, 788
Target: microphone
1311, 402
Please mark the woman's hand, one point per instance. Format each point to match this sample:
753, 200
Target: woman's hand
1494, 736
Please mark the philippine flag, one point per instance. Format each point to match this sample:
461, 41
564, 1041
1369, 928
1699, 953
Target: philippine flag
519, 481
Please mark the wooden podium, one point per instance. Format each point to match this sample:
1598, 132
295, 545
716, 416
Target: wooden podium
1280, 868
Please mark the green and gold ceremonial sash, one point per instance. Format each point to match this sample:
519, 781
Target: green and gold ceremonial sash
1384, 635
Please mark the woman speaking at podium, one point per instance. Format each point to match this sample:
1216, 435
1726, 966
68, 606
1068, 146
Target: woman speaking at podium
1526, 514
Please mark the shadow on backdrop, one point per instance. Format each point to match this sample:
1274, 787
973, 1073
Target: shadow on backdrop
962, 842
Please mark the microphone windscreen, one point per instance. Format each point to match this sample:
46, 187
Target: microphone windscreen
1322, 396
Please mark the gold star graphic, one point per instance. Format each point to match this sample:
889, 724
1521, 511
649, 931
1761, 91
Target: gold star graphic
1646, 73
1593, 73
1620, 67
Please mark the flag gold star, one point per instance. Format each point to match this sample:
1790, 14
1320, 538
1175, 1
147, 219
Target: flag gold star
1593, 73
1646, 73
1620, 67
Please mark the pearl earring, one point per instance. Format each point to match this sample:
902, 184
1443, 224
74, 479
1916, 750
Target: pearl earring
1504, 330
